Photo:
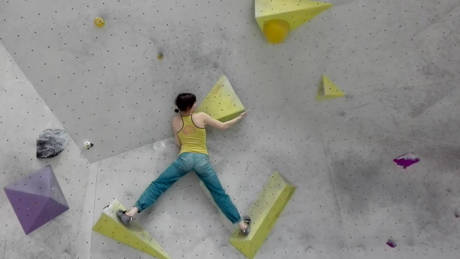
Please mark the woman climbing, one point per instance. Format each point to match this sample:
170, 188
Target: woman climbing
190, 134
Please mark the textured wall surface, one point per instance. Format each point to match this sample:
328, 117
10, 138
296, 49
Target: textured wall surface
397, 61
23, 116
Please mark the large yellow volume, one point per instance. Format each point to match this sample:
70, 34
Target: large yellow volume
134, 236
264, 213
328, 90
222, 103
276, 18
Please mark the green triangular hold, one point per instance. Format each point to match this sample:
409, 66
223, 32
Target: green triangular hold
222, 103
328, 90
295, 12
264, 213
134, 236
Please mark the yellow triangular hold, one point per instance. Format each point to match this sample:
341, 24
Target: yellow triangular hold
222, 103
264, 213
134, 236
328, 90
292, 12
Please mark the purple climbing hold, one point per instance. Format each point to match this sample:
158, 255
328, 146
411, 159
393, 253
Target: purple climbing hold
391, 243
406, 160
36, 199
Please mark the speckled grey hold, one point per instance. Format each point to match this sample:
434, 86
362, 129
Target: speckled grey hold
50, 143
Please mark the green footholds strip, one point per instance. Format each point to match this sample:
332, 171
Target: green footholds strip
222, 103
134, 236
264, 213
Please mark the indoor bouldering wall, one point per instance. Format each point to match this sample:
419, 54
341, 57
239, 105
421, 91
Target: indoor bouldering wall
354, 103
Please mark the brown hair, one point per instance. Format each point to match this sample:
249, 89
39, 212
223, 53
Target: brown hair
185, 101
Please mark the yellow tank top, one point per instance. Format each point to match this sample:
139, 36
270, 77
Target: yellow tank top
191, 137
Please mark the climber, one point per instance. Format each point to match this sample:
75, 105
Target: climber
190, 134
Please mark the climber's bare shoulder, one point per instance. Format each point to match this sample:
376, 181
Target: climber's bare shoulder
198, 119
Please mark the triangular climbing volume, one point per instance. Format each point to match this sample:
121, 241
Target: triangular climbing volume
222, 103
27, 208
328, 90
36, 199
134, 236
264, 213
292, 13
48, 212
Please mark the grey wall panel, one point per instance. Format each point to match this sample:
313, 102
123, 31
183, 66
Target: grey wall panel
107, 85
23, 116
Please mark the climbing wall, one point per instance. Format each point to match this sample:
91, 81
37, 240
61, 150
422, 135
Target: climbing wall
23, 116
397, 63
36, 198
107, 84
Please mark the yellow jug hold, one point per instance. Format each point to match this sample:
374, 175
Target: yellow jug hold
276, 31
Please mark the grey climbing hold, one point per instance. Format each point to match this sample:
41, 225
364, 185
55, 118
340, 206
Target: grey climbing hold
50, 143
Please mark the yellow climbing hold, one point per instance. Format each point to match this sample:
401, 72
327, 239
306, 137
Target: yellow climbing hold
134, 236
99, 22
264, 213
160, 55
276, 31
293, 12
328, 90
221, 103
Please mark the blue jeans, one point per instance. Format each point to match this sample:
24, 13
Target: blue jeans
185, 163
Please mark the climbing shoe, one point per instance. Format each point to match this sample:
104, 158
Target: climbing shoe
125, 219
247, 220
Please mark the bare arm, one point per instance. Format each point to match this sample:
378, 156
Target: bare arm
208, 120
175, 134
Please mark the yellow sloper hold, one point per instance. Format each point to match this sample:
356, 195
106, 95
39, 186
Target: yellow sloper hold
222, 103
264, 213
294, 12
134, 236
328, 90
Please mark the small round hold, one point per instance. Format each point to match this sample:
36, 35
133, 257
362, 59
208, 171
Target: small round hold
88, 144
160, 55
99, 22
276, 31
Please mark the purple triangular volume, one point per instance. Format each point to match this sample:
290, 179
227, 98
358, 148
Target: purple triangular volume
36, 198
51, 210
42, 182
27, 207
37, 182
55, 191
